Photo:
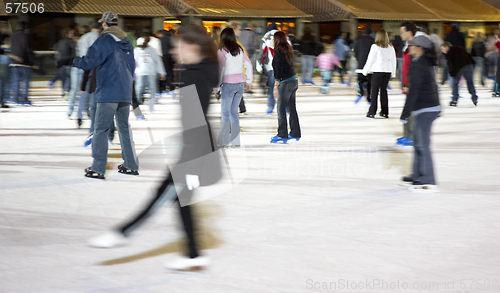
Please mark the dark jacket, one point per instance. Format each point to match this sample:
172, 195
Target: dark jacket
66, 49
115, 65
248, 38
22, 46
398, 46
197, 134
457, 59
362, 49
89, 76
166, 47
308, 48
456, 38
423, 91
478, 49
283, 68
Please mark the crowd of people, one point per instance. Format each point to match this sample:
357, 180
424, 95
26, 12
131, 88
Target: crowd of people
108, 70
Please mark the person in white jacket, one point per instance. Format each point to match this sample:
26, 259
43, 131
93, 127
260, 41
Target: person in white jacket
148, 65
382, 63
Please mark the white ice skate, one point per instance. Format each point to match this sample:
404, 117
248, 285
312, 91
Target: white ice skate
423, 188
108, 240
188, 264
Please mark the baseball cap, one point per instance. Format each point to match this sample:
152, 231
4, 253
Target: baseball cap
421, 41
109, 17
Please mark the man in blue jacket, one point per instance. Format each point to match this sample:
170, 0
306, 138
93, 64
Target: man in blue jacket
113, 58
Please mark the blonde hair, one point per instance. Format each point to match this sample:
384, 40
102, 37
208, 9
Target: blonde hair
479, 37
234, 24
329, 48
382, 39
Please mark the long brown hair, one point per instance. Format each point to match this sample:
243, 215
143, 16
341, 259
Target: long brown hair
197, 35
281, 45
145, 43
382, 39
228, 42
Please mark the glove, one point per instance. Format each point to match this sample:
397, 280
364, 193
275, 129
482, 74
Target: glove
192, 181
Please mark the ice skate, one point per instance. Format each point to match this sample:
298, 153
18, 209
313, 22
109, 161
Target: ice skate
89, 173
188, 264
407, 181
423, 188
108, 240
276, 139
124, 170
291, 137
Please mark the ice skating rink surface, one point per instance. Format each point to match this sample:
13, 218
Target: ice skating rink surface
324, 214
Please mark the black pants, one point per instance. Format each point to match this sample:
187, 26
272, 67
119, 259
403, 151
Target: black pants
286, 101
166, 193
498, 72
243, 109
360, 89
380, 80
169, 69
341, 70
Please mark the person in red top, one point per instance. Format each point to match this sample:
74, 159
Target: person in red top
407, 31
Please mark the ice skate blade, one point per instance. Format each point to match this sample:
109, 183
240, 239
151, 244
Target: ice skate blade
405, 184
423, 188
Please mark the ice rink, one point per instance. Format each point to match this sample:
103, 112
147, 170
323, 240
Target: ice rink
325, 214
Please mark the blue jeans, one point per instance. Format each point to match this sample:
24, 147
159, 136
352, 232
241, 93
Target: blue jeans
20, 78
480, 64
327, 76
286, 101
468, 73
4, 83
423, 168
76, 76
399, 69
105, 113
140, 85
83, 103
270, 96
93, 106
307, 68
231, 95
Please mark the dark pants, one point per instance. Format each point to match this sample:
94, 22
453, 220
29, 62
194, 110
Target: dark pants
4, 83
164, 194
468, 73
341, 70
408, 127
243, 109
20, 83
423, 169
380, 80
169, 69
445, 70
360, 89
498, 71
286, 101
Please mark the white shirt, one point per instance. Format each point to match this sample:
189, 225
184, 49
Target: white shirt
147, 62
84, 43
153, 43
381, 60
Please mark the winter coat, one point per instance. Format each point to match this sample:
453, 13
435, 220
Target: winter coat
423, 91
341, 49
308, 48
478, 49
248, 39
381, 60
112, 55
148, 62
66, 48
327, 61
22, 46
197, 136
362, 49
457, 59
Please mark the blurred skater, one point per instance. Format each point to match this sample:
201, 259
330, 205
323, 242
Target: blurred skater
326, 63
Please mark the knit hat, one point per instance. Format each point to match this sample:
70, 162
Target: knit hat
109, 17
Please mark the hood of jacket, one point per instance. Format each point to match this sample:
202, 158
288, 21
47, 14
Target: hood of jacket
116, 31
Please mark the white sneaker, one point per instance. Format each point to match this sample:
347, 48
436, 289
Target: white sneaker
425, 188
108, 240
188, 264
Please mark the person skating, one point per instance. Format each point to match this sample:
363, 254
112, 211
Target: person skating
285, 87
112, 55
361, 50
381, 63
460, 63
198, 69
422, 103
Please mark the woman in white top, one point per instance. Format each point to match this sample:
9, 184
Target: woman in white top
236, 75
148, 65
382, 63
